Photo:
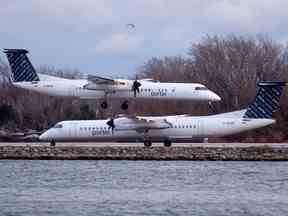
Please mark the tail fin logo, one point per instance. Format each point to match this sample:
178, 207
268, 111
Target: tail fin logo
21, 67
266, 101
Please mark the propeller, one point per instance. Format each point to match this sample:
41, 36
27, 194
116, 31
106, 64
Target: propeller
135, 86
111, 124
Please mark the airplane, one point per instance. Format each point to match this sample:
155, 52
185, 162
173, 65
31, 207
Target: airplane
168, 129
94, 87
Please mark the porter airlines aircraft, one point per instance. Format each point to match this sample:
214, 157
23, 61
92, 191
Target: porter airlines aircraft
95, 87
173, 128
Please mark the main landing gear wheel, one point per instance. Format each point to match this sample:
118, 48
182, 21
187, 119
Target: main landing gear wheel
167, 143
124, 105
147, 143
52, 143
104, 105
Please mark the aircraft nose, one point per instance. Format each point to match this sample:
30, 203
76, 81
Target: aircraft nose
44, 136
215, 97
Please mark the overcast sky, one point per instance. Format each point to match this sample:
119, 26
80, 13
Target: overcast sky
92, 35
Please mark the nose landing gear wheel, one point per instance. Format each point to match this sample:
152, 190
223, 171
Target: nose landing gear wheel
167, 143
147, 143
104, 105
52, 143
124, 105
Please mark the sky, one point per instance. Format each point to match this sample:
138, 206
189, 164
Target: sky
93, 37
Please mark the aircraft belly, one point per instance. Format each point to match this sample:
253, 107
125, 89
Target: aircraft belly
228, 126
96, 135
91, 94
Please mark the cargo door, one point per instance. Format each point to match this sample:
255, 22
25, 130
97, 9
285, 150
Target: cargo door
73, 130
199, 128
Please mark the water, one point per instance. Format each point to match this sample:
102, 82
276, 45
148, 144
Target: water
143, 188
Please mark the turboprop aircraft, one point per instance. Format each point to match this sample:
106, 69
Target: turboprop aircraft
94, 87
173, 128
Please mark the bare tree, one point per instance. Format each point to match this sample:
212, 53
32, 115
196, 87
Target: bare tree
230, 66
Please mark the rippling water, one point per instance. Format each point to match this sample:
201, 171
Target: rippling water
143, 188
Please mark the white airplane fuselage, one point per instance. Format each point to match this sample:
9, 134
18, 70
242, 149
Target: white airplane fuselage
182, 128
148, 90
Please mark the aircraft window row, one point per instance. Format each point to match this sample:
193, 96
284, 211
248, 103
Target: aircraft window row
93, 128
201, 88
145, 89
48, 86
184, 126
154, 81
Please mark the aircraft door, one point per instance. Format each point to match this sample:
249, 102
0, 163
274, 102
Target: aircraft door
199, 129
73, 130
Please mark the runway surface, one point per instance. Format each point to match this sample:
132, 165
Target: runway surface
117, 144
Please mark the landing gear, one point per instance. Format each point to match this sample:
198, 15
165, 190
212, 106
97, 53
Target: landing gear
147, 143
104, 105
211, 109
167, 143
52, 143
124, 105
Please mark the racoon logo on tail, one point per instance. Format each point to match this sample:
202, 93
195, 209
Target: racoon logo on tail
266, 101
21, 67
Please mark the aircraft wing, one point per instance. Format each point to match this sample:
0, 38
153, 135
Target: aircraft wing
100, 80
141, 124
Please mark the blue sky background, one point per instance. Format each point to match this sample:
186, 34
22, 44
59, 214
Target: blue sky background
92, 36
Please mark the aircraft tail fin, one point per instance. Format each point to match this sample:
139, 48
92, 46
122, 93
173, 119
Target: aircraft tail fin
21, 67
266, 101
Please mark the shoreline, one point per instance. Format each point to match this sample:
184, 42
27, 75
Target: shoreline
136, 151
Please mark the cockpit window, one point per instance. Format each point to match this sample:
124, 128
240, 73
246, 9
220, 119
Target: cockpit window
201, 88
150, 80
58, 126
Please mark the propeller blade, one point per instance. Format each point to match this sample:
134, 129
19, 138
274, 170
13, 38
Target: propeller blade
111, 124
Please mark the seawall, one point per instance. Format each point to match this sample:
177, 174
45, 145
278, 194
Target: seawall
90, 152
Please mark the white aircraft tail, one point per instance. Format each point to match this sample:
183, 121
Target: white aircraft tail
21, 67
